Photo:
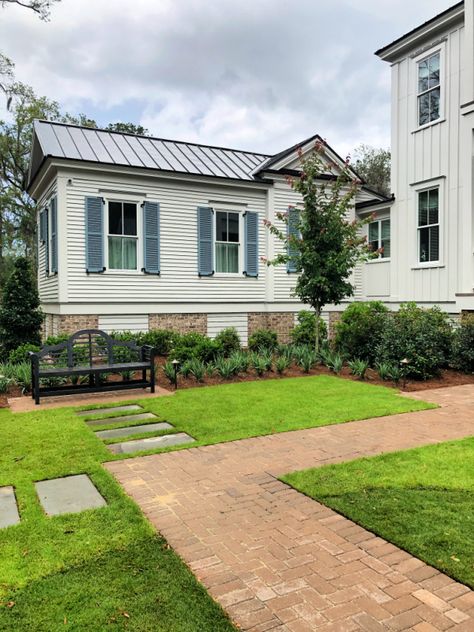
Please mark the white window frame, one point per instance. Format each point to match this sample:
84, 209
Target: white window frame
240, 213
139, 236
434, 183
378, 220
440, 49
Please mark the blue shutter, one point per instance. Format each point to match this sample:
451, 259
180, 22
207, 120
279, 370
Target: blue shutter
292, 231
42, 226
151, 237
94, 234
54, 235
251, 244
46, 241
205, 241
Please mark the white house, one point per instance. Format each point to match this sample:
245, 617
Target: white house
138, 233
432, 246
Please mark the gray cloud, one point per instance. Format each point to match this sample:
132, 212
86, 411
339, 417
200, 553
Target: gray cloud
257, 74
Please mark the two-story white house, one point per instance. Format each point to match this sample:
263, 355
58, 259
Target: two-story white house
432, 225
138, 233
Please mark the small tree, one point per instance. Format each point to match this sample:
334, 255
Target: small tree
20, 315
323, 245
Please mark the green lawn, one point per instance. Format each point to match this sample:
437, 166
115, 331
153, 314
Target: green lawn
107, 566
421, 500
249, 409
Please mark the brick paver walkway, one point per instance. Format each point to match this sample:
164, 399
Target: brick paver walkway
277, 560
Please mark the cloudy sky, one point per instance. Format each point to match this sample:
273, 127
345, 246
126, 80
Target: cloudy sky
251, 74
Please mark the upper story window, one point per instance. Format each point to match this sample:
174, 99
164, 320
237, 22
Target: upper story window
122, 235
428, 225
429, 89
379, 238
227, 242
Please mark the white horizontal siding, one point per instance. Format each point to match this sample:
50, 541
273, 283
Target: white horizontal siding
217, 322
47, 284
178, 221
284, 283
124, 322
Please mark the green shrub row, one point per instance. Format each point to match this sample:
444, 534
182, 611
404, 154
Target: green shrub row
414, 341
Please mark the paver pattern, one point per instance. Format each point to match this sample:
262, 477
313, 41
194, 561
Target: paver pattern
277, 560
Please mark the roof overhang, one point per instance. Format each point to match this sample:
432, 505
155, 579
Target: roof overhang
426, 31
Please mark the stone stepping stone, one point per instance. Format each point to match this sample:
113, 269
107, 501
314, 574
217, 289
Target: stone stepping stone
107, 411
151, 443
8, 508
69, 494
114, 420
116, 433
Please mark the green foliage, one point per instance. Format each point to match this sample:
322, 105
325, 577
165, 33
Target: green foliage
259, 363
332, 359
282, 363
325, 246
20, 354
422, 336
228, 340
358, 367
304, 333
306, 358
55, 340
263, 339
462, 357
20, 314
20, 374
170, 371
241, 360
4, 382
373, 165
225, 367
195, 345
185, 368
384, 370
197, 369
162, 340
360, 329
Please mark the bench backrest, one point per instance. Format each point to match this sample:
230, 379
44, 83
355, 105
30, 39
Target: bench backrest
89, 347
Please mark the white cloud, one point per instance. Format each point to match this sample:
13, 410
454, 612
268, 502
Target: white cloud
252, 74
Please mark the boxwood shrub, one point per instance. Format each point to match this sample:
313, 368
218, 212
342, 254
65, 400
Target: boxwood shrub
462, 357
360, 330
422, 336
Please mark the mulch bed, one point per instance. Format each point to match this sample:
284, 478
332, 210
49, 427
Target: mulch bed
448, 377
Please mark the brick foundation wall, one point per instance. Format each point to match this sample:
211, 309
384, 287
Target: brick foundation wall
181, 323
280, 322
70, 323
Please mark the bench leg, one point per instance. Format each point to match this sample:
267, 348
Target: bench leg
35, 392
152, 378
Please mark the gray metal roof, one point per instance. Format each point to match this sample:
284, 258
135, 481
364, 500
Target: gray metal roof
60, 140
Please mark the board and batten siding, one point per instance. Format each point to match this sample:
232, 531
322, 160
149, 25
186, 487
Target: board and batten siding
420, 156
217, 322
48, 285
179, 280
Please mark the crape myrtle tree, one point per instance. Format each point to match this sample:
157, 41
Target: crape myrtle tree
20, 314
323, 244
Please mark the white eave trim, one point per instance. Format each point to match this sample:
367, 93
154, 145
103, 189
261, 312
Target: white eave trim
431, 30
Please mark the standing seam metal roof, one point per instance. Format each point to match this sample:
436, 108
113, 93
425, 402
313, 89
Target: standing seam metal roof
62, 140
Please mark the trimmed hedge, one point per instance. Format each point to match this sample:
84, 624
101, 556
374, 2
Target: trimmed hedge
360, 330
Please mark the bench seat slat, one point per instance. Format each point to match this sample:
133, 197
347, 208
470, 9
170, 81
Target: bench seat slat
96, 368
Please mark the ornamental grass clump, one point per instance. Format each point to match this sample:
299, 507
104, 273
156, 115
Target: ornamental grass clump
307, 358
241, 360
358, 367
197, 369
226, 367
282, 363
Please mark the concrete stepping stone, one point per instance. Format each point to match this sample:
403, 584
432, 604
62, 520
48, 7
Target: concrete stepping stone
116, 433
114, 420
8, 508
151, 443
107, 411
69, 494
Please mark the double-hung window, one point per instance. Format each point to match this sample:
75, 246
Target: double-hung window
227, 242
429, 89
428, 225
379, 238
122, 236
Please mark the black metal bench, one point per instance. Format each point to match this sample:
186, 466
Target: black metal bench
91, 353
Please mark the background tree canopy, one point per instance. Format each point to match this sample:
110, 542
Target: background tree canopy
373, 165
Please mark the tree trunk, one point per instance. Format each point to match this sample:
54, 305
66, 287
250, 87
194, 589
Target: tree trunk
317, 309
